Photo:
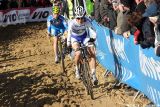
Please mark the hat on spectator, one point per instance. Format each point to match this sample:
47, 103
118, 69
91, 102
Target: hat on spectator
126, 3
151, 10
115, 2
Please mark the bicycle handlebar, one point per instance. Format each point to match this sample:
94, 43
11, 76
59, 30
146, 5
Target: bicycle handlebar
60, 34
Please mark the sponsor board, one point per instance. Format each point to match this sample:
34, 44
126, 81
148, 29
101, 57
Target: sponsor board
15, 16
132, 65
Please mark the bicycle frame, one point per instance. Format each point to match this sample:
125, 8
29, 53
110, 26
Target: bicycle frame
60, 46
84, 70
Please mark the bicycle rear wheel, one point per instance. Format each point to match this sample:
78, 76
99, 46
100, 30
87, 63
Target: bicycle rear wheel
82, 72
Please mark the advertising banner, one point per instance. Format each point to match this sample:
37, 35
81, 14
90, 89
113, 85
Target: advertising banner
15, 16
137, 67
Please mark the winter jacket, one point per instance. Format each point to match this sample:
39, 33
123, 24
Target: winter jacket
106, 10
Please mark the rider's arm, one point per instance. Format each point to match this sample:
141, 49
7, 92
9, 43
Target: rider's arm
49, 24
92, 30
69, 34
65, 24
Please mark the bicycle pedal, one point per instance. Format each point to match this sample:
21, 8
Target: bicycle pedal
95, 82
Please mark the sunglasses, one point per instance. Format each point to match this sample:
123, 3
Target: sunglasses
80, 18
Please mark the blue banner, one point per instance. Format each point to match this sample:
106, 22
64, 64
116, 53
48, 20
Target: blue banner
137, 67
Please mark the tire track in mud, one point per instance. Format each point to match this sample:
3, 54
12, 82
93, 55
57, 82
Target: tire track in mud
29, 77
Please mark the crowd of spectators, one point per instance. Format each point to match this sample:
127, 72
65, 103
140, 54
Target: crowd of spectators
140, 18
9, 4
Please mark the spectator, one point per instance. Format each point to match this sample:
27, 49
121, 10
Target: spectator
13, 4
143, 30
89, 4
56, 2
135, 20
97, 10
158, 2
3, 4
156, 21
108, 15
48, 3
152, 8
70, 4
24, 3
115, 4
157, 39
147, 26
140, 7
124, 11
41, 3
148, 34
33, 3
63, 6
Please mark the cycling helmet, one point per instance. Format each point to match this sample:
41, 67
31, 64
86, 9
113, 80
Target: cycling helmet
55, 9
79, 12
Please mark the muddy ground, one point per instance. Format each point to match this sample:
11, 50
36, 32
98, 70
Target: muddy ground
30, 78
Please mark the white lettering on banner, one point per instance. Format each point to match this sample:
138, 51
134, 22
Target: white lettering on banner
100, 54
108, 40
149, 66
119, 48
126, 73
23, 15
155, 94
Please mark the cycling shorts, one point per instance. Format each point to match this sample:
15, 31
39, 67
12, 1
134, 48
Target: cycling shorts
55, 31
80, 39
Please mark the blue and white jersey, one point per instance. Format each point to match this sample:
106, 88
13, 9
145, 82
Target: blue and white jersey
76, 29
56, 26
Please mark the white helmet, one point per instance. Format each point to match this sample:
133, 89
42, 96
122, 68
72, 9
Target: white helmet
79, 12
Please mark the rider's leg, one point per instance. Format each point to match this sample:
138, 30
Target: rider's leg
93, 64
55, 46
93, 58
54, 33
76, 46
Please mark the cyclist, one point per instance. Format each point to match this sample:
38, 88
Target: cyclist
56, 24
63, 4
78, 32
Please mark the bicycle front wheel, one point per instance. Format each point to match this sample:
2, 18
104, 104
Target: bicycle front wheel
87, 79
62, 56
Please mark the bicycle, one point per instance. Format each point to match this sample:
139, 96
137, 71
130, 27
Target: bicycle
62, 47
84, 69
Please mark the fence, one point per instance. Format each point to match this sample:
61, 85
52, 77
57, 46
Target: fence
137, 67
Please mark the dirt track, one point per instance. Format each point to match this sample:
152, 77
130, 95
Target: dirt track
30, 78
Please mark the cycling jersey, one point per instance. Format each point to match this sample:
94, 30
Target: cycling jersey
56, 26
78, 32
